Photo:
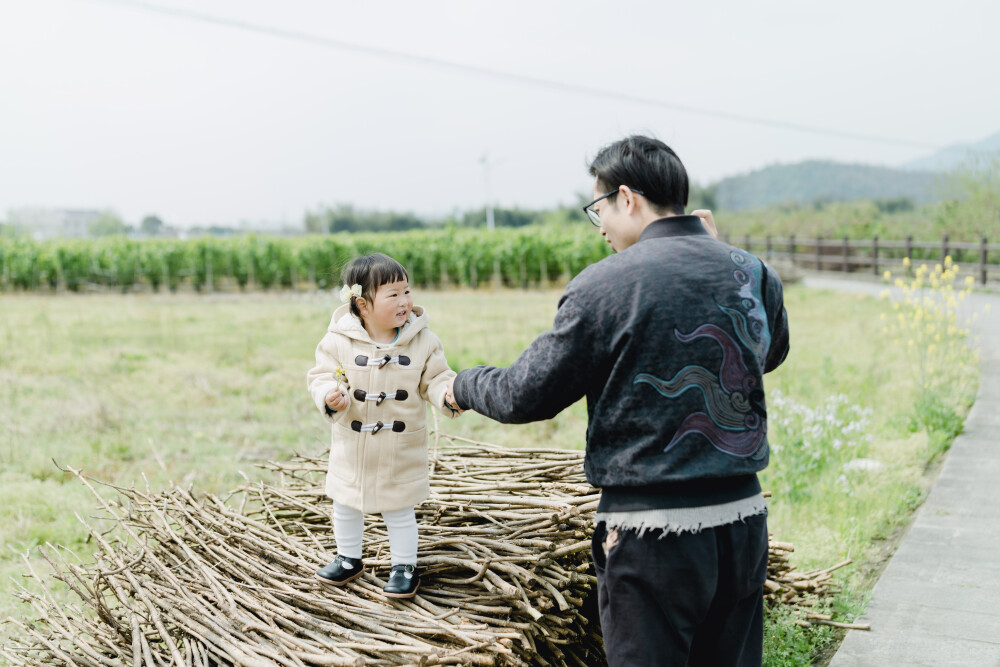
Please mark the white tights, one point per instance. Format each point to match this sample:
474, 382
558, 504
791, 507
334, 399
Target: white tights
349, 526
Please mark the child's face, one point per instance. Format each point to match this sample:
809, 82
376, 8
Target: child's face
390, 307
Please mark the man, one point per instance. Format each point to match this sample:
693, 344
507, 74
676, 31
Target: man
668, 339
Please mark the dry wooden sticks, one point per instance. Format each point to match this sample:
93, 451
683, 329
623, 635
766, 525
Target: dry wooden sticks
181, 579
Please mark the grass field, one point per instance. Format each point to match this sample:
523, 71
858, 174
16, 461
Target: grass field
186, 389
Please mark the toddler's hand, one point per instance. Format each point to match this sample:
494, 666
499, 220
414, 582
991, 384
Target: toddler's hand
449, 396
336, 400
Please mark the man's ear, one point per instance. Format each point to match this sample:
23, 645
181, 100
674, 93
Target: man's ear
628, 199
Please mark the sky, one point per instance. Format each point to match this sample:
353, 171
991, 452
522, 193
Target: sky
243, 111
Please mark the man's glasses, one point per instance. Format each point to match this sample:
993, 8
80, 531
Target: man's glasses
594, 216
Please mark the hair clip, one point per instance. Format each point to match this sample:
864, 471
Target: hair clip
347, 292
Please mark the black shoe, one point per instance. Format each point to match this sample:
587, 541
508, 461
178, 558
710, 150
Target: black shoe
403, 582
342, 570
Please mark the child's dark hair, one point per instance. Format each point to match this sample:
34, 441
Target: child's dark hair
371, 272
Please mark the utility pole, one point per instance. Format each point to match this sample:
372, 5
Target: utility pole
487, 166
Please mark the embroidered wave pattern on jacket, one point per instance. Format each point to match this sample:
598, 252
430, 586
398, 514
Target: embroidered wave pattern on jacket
755, 333
736, 421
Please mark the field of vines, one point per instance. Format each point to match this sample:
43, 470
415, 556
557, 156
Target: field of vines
518, 257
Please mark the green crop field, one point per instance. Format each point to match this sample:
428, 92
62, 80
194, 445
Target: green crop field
518, 257
181, 388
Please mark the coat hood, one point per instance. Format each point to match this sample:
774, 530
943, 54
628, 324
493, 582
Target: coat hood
347, 323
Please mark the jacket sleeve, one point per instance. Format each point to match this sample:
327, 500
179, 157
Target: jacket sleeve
777, 319
434, 379
552, 374
321, 380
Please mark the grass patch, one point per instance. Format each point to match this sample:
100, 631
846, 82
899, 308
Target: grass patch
196, 390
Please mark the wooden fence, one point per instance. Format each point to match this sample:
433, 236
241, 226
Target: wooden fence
876, 255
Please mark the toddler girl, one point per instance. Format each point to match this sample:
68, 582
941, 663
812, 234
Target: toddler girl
376, 365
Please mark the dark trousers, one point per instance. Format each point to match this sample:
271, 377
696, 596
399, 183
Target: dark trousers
690, 599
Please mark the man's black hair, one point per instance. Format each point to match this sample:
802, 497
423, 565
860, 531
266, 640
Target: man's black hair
646, 164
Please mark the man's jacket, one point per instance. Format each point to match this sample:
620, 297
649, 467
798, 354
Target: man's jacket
668, 340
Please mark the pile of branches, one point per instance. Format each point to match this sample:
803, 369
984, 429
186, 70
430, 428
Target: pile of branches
803, 593
185, 580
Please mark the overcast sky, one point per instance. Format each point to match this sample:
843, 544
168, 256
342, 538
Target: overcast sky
107, 104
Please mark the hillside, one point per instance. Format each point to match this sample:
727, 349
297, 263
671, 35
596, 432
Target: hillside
953, 156
821, 181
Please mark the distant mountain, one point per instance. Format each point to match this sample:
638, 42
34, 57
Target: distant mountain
952, 156
815, 180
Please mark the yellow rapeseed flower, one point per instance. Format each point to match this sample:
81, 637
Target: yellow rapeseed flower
887, 275
970, 281
906, 262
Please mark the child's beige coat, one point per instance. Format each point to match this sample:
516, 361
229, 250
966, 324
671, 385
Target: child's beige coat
378, 469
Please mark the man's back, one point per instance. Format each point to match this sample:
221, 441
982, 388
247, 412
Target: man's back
668, 340
691, 325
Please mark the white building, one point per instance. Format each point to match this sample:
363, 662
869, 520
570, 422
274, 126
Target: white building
47, 223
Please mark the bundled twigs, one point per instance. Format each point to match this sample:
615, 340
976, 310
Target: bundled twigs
801, 591
505, 539
199, 581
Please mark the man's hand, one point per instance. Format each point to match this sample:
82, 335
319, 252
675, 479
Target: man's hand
449, 396
707, 221
336, 400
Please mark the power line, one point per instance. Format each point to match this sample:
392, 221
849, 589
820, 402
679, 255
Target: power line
298, 36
